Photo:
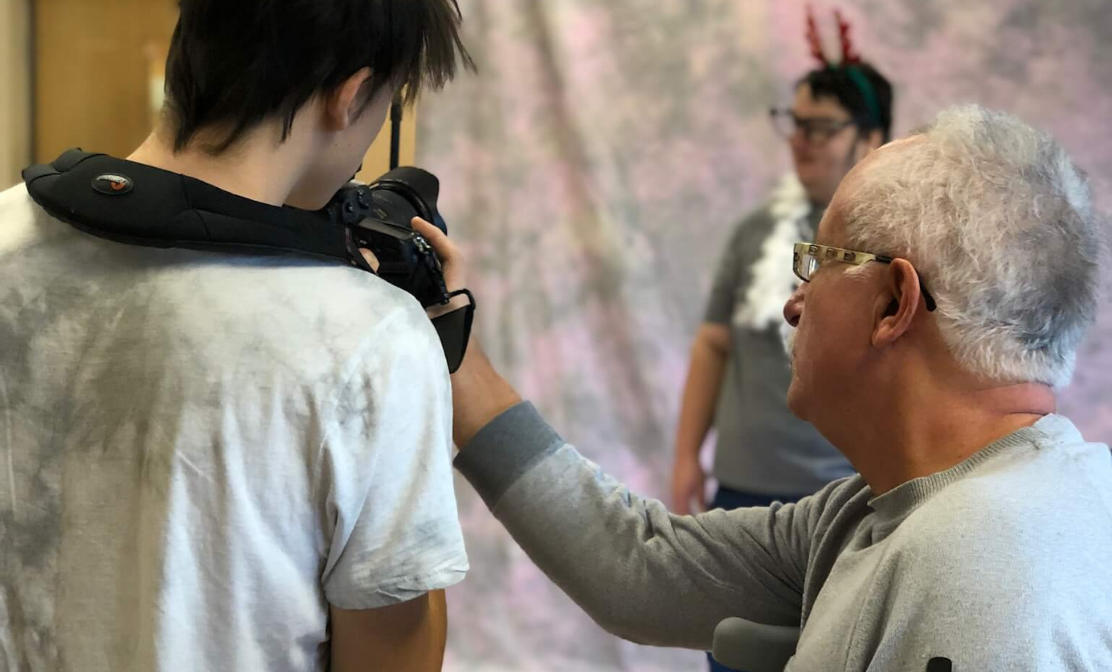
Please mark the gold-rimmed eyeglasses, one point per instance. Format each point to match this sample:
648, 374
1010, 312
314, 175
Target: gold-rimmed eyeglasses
808, 257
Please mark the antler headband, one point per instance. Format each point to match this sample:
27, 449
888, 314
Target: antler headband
850, 61
849, 56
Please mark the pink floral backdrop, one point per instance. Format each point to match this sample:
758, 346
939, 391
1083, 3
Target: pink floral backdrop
593, 169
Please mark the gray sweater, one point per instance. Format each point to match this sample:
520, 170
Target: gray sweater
999, 563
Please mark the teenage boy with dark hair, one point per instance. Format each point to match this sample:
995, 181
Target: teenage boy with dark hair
231, 461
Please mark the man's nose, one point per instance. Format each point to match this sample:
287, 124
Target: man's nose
793, 309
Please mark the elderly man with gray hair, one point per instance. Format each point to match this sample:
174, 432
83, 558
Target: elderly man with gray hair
952, 279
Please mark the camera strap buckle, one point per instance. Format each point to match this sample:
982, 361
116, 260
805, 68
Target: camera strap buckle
454, 329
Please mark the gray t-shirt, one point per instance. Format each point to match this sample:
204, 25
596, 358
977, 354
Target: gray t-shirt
998, 563
200, 452
761, 447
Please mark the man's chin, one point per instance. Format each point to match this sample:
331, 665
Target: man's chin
817, 188
795, 399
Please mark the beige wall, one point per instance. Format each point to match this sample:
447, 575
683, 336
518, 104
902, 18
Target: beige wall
15, 90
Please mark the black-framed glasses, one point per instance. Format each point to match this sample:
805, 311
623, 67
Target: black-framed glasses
815, 130
808, 257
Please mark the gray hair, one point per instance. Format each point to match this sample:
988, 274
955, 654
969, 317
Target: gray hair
998, 221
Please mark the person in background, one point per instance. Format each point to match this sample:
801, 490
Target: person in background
738, 377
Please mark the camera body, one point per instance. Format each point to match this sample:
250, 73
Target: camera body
378, 218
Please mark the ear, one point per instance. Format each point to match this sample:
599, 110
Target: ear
343, 105
869, 143
896, 307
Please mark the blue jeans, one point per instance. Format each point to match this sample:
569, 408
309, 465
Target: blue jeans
725, 498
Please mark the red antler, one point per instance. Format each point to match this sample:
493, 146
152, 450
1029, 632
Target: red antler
813, 37
849, 56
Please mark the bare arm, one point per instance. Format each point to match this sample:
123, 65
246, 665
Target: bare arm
405, 637
700, 397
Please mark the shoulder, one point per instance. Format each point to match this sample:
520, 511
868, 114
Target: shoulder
744, 241
16, 204
314, 298
832, 513
786, 201
286, 317
16, 208
836, 496
1013, 521
1028, 486
347, 311
755, 224
17, 196
287, 313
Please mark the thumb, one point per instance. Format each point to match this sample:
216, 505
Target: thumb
437, 238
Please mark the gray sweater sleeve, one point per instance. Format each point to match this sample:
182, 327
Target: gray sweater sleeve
640, 572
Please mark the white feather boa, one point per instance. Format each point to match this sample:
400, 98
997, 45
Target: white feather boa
772, 279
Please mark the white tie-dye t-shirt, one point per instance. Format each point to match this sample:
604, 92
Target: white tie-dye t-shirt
200, 452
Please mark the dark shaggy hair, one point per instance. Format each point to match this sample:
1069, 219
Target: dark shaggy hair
236, 63
837, 83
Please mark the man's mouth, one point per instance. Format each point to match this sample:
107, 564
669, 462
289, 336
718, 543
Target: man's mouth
789, 334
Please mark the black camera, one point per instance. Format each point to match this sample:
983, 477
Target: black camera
378, 216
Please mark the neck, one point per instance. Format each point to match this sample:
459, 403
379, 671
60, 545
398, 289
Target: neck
922, 434
819, 199
257, 168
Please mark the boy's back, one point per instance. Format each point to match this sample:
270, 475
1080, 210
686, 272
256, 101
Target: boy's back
203, 451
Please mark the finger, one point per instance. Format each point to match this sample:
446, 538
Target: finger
440, 242
446, 250
370, 258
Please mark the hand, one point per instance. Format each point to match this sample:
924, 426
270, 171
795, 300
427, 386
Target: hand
479, 394
451, 261
688, 486
450, 256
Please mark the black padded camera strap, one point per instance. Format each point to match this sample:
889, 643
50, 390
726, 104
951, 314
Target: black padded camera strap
135, 204
140, 205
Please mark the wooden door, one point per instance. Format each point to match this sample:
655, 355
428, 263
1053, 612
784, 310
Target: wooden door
99, 66
15, 90
93, 64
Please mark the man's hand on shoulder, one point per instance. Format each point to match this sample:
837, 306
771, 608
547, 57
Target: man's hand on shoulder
479, 393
